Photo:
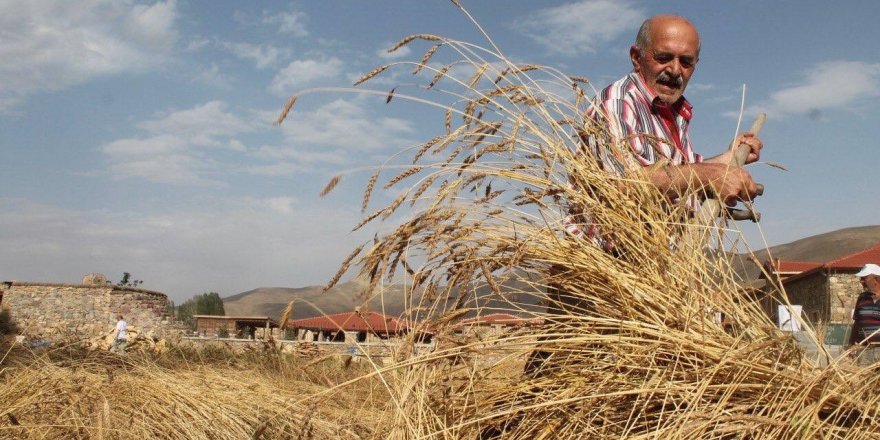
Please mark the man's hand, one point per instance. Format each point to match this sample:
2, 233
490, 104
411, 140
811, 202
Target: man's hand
754, 144
729, 184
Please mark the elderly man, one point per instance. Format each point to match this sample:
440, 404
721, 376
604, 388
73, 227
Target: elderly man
647, 113
866, 316
648, 110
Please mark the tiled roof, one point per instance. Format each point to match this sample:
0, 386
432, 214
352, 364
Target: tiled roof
353, 322
851, 262
796, 266
857, 260
790, 266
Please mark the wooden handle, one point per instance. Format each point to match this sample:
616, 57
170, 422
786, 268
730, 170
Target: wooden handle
712, 208
741, 153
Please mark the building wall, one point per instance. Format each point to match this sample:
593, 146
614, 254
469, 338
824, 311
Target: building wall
210, 326
811, 292
54, 311
314, 335
827, 298
844, 289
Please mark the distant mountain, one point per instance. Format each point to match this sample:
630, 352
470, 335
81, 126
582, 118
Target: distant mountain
345, 297
825, 247
311, 301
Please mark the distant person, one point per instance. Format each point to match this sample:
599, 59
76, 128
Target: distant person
866, 316
121, 335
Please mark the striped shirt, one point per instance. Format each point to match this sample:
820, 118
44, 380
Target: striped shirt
866, 319
634, 113
654, 130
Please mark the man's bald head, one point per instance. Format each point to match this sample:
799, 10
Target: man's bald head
643, 38
665, 55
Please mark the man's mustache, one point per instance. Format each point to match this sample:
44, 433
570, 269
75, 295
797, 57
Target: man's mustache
665, 77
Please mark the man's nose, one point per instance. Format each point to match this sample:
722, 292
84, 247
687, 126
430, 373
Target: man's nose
674, 67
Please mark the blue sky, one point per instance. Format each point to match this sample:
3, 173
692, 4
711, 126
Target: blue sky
138, 136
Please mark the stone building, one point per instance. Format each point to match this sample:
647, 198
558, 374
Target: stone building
61, 312
494, 324
247, 327
354, 326
827, 292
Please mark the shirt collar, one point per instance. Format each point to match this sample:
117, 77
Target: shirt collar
683, 107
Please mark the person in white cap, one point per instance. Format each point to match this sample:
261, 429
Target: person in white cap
866, 316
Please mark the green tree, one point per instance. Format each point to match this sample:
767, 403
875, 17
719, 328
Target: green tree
208, 303
126, 281
170, 309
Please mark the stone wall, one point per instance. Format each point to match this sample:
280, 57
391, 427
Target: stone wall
844, 289
827, 298
53, 311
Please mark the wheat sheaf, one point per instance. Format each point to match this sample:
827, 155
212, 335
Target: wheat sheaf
632, 346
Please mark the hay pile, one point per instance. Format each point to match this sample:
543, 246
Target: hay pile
75, 393
658, 340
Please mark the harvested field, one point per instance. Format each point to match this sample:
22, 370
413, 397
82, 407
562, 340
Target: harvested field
73, 393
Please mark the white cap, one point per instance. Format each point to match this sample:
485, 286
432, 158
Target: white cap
869, 269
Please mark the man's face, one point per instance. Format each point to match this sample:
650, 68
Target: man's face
871, 283
670, 58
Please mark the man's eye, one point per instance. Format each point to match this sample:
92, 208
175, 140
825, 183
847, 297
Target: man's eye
663, 58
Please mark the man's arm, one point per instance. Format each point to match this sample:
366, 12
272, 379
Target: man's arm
728, 183
718, 175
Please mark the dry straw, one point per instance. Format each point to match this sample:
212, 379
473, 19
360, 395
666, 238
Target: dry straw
186, 394
655, 338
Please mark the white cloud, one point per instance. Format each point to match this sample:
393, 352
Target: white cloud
399, 53
212, 75
302, 157
281, 205
197, 44
827, 85
262, 56
278, 169
150, 27
300, 73
227, 246
54, 44
172, 169
348, 126
173, 152
581, 27
201, 124
292, 22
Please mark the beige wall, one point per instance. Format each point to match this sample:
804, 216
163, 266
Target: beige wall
79, 311
845, 288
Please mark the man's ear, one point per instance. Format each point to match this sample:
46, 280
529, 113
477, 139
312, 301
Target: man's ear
635, 55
